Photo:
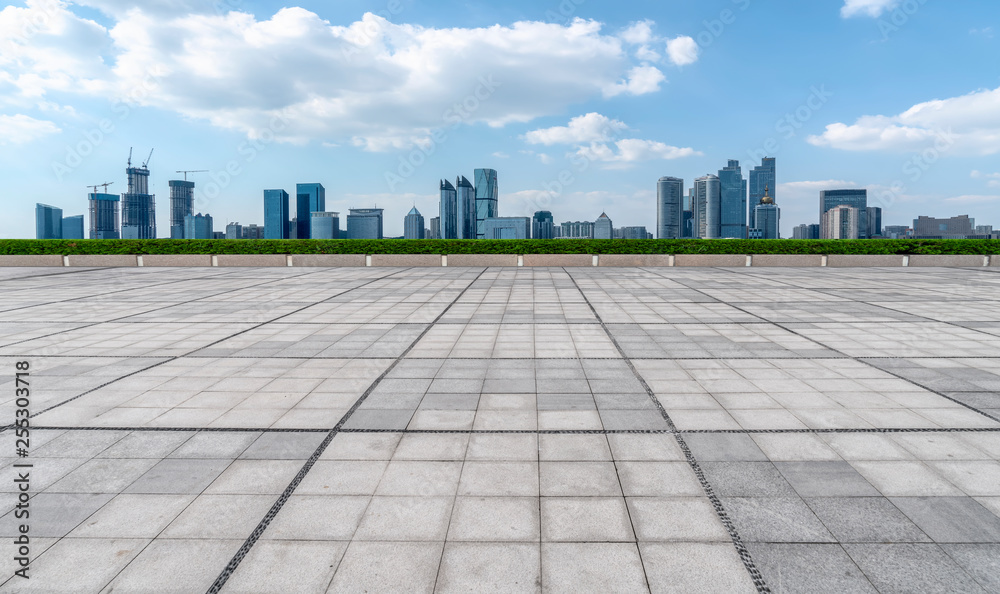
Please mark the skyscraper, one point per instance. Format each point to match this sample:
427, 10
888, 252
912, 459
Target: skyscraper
874, 223
487, 198
449, 211
275, 214
732, 202
707, 213
104, 216
761, 177
324, 225
435, 229
542, 225
181, 205
198, 226
603, 227
842, 222
138, 206
364, 223
854, 198
670, 208
48, 222
768, 219
577, 230
72, 227
309, 198
234, 231
506, 228
413, 225
466, 199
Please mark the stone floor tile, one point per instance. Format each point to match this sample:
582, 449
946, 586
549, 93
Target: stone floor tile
899, 568
592, 566
490, 567
819, 568
388, 567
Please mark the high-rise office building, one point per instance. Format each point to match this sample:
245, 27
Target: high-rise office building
466, 212
707, 207
897, 232
507, 228
577, 230
181, 205
874, 223
324, 225
603, 227
413, 225
670, 208
732, 202
449, 211
48, 222
198, 226
309, 198
953, 228
487, 198
364, 223
104, 216
275, 214
138, 206
688, 223
767, 216
234, 231
435, 228
542, 225
842, 222
633, 233
72, 227
763, 176
253, 231
855, 198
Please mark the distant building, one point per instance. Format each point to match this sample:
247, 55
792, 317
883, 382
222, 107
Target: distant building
448, 211
577, 230
542, 225
603, 227
806, 232
507, 228
842, 222
48, 222
413, 225
309, 198
732, 202
763, 176
364, 223
181, 205
707, 207
218, 235
435, 229
980, 229
72, 227
767, 217
634, 233
556, 231
293, 228
688, 223
487, 198
670, 208
275, 214
466, 211
953, 228
855, 198
874, 221
104, 216
198, 226
138, 206
897, 232
324, 225
253, 231
234, 231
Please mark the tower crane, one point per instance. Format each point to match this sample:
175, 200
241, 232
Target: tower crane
191, 171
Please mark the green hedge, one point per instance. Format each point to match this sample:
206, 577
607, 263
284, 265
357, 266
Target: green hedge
540, 246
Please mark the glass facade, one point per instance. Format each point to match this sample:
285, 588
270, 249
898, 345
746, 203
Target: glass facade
449, 211
603, 227
732, 202
487, 198
309, 198
275, 214
506, 228
874, 221
413, 225
855, 199
670, 208
768, 217
706, 208
324, 225
364, 223
72, 227
763, 177
466, 211
48, 222
104, 216
542, 225
435, 228
138, 206
181, 205
198, 226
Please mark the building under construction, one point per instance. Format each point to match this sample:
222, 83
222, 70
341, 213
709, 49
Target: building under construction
104, 216
138, 205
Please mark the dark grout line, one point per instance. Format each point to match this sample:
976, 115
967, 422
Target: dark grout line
720, 510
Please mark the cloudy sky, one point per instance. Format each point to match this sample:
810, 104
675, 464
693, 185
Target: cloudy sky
580, 105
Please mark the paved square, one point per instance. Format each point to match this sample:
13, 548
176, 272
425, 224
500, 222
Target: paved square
506, 430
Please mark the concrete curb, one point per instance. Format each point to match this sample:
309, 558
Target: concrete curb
12, 261
185, 260
250, 260
406, 260
635, 260
786, 260
106, 261
860, 261
482, 259
716, 260
328, 260
558, 260
957, 261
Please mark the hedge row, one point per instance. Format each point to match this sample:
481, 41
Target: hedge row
540, 246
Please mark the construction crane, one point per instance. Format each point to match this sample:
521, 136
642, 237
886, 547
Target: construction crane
104, 185
191, 171
148, 159
130, 157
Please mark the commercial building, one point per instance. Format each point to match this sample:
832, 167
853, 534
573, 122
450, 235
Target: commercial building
48, 222
413, 225
603, 227
732, 202
768, 218
507, 228
364, 223
806, 232
577, 230
706, 207
854, 198
181, 205
762, 177
953, 228
466, 208
435, 228
542, 225
633, 233
487, 198
324, 225
253, 231
897, 232
448, 211
842, 222
670, 208
309, 198
234, 231
198, 226
72, 227
874, 221
104, 216
138, 206
275, 214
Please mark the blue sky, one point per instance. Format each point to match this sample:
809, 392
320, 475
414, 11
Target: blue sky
580, 105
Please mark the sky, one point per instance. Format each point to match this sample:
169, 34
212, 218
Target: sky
579, 105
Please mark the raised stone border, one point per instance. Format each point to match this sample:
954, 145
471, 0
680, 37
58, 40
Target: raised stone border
504, 260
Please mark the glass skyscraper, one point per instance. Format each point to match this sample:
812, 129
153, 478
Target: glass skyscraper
763, 177
364, 223
198, 226
707, 208
487, 198
48, 222
275, 214
413, 225
466, 212
542, 225
603, 227
449, 211
324, 225
104, 216
855, 198
309, 198
72, 227
669, 208
732, 202
181, 205
138, 206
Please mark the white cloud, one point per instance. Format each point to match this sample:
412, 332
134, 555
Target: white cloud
969, 124
972, 199
870, 8
592, 127
632, 150
19, 129
640, 80
682, 50
501, 155
639, 33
